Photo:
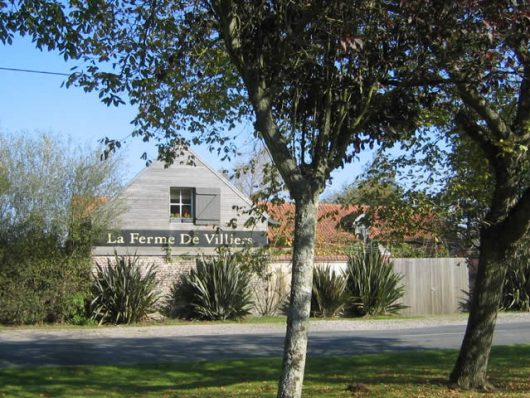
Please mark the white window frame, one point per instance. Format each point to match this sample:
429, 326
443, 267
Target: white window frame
180, 203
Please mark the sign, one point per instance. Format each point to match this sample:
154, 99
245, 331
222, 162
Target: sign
160, 238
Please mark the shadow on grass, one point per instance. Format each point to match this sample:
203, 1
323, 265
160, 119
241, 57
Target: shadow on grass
510, 367
137, 380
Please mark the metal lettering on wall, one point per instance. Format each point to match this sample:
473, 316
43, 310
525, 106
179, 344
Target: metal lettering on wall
158, 238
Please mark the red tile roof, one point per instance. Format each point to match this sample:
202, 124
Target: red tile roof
331, 237
335, 231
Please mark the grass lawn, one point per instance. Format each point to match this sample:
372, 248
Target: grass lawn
410, 374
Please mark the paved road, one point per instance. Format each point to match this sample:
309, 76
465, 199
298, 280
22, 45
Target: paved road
181, 343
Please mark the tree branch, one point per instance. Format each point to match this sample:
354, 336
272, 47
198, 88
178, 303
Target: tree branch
345, 134
480, 106
479, 135
257, 92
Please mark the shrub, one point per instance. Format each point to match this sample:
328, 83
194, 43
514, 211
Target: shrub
373, 285
122, 293
49, 219
38, 281
516, 290
329, 294
217, 289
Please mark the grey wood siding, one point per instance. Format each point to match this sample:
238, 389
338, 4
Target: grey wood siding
146, 200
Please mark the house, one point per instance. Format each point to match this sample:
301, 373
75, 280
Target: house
170, 215
341, 227
332, 237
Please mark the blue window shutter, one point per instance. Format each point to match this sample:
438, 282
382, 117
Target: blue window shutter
207, 206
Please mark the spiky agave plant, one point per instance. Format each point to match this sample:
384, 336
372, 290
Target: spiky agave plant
329, 294
516, 289
373, 285
123, 291
218, 289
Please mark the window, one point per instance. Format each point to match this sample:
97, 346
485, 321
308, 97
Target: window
181, 204
201, 206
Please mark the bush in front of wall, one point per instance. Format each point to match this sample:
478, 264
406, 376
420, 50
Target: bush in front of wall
373, 285
516, 289
329, 295
123, 292
218, 289
38, 280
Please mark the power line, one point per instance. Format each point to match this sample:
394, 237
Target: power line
34, 71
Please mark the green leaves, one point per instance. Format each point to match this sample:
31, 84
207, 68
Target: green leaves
374, 287
516, 289
218, 289
330, 295
123, 291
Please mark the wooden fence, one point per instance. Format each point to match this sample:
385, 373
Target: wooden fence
433, 285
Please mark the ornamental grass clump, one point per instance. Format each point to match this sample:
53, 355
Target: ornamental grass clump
329, 295
123, 291
218, 289
373, 285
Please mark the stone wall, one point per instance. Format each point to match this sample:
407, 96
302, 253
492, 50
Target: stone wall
167, 271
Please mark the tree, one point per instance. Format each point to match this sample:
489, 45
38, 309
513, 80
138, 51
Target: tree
377, 186
49, 218
256, 176
409, 221
54, 182
480, 54
311, 75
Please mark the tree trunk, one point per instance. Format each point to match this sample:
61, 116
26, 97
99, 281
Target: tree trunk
294, 354
470, 371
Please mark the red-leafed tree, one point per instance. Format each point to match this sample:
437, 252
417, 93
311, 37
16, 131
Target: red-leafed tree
320, 81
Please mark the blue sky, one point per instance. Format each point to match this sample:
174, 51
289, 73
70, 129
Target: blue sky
31, 103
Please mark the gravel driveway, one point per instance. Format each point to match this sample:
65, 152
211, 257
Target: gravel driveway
36, 334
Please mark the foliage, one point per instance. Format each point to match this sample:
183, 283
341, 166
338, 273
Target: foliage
480, 53
77, 309
373, 285
329, 295
57, 185
38, 280
416, 373
269, 290
376, 186
217, 289
123, 291
424, 249
255, 175
516, 289
48, 221
313, 76
250, 259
